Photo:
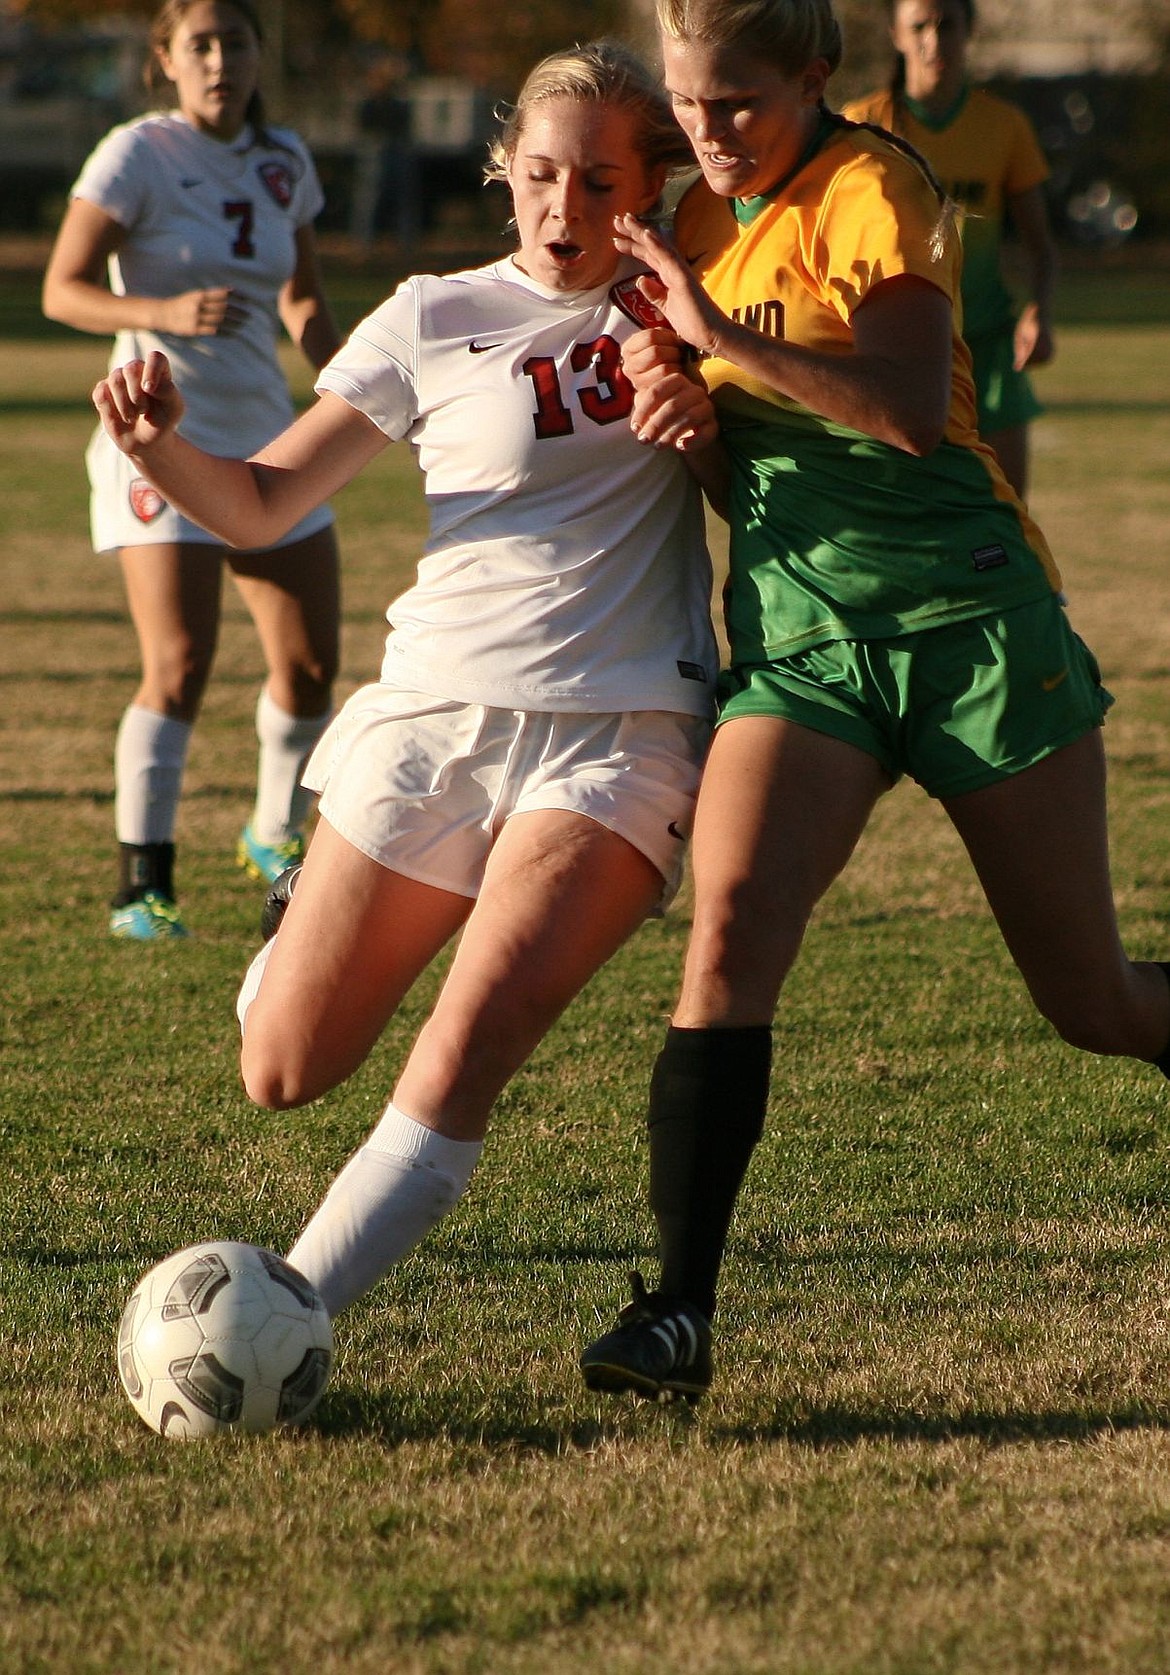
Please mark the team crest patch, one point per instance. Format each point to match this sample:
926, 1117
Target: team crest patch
279, 182
634, 305
145, 501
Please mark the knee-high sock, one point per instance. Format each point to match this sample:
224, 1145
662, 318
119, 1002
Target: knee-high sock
386, 1198
1163, 1059
150, 753
708, 1096
286, 743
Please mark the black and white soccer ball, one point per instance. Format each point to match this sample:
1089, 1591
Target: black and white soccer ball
223, 1336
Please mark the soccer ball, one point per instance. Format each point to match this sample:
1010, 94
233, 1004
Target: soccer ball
223, 1337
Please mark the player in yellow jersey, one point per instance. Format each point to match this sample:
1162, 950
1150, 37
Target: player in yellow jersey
987, 157
891, 610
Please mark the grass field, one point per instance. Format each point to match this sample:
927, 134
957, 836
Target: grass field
939, 1439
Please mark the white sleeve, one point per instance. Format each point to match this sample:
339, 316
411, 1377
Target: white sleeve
115, 176
376, 371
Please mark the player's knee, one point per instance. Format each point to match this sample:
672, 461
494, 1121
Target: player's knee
270, 1079
178, 676
1094, 1021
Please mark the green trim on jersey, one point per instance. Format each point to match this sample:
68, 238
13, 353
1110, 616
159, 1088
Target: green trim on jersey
747, 209
836, 536
936, 124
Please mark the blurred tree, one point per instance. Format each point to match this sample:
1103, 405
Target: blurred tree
491, 46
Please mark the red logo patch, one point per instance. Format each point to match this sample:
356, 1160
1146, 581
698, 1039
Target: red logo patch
145, 501
634, 305
278, 181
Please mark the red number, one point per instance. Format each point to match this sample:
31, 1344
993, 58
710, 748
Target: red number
552, 417
240, 209
611, 398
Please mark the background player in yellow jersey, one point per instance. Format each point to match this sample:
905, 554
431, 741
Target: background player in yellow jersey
987, 157
892, 609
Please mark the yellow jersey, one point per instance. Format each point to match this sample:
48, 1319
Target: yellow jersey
835, 535
984, 152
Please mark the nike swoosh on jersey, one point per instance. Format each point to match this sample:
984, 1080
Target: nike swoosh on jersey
477, 348
187, 183
1051, 683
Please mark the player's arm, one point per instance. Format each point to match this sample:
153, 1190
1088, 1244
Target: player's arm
303, 308
1033, 338
246, 503
895, 385
76, 293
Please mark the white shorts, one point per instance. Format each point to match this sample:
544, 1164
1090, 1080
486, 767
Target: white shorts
423, 785
127, 511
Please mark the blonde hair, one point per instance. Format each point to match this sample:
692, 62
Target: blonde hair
602, 73
788, 34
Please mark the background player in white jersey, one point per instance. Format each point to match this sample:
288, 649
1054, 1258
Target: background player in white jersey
204, 216
526, 767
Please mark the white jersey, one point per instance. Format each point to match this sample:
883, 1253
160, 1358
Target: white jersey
198, 214
566, 566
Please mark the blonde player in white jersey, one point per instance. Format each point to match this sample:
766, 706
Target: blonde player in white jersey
525, 769
203, 216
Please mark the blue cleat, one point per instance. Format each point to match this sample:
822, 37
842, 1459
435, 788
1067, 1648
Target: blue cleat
266, 861
152, 918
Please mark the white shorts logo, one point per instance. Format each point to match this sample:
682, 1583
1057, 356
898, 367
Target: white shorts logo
145, 501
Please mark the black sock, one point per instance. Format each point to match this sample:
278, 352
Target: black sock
1163, 1059
708, 1096
143, 867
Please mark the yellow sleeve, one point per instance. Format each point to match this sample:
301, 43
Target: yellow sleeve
881, 218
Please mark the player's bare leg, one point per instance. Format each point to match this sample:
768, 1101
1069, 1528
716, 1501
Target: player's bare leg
293, 597
173, 591
1011, 449
353, 940
560, 895
780, 811
1039, 843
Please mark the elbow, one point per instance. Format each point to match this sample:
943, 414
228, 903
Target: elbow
52, 306
921, 443
917, 433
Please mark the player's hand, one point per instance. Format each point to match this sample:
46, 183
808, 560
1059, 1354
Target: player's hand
670, 285
671, 406
210, 313
138, 403
649, 353
674, 412
1032, 344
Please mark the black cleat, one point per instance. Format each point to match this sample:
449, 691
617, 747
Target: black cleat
660, 1349
277, 900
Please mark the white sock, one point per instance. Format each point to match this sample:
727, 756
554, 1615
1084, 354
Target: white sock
150, 753
286, 743
387, 1197
250, 987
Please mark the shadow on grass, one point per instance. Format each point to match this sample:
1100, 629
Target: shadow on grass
509, 1423
842, 1427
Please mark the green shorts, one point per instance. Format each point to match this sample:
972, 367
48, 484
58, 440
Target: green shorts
957, 707
1003, 397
